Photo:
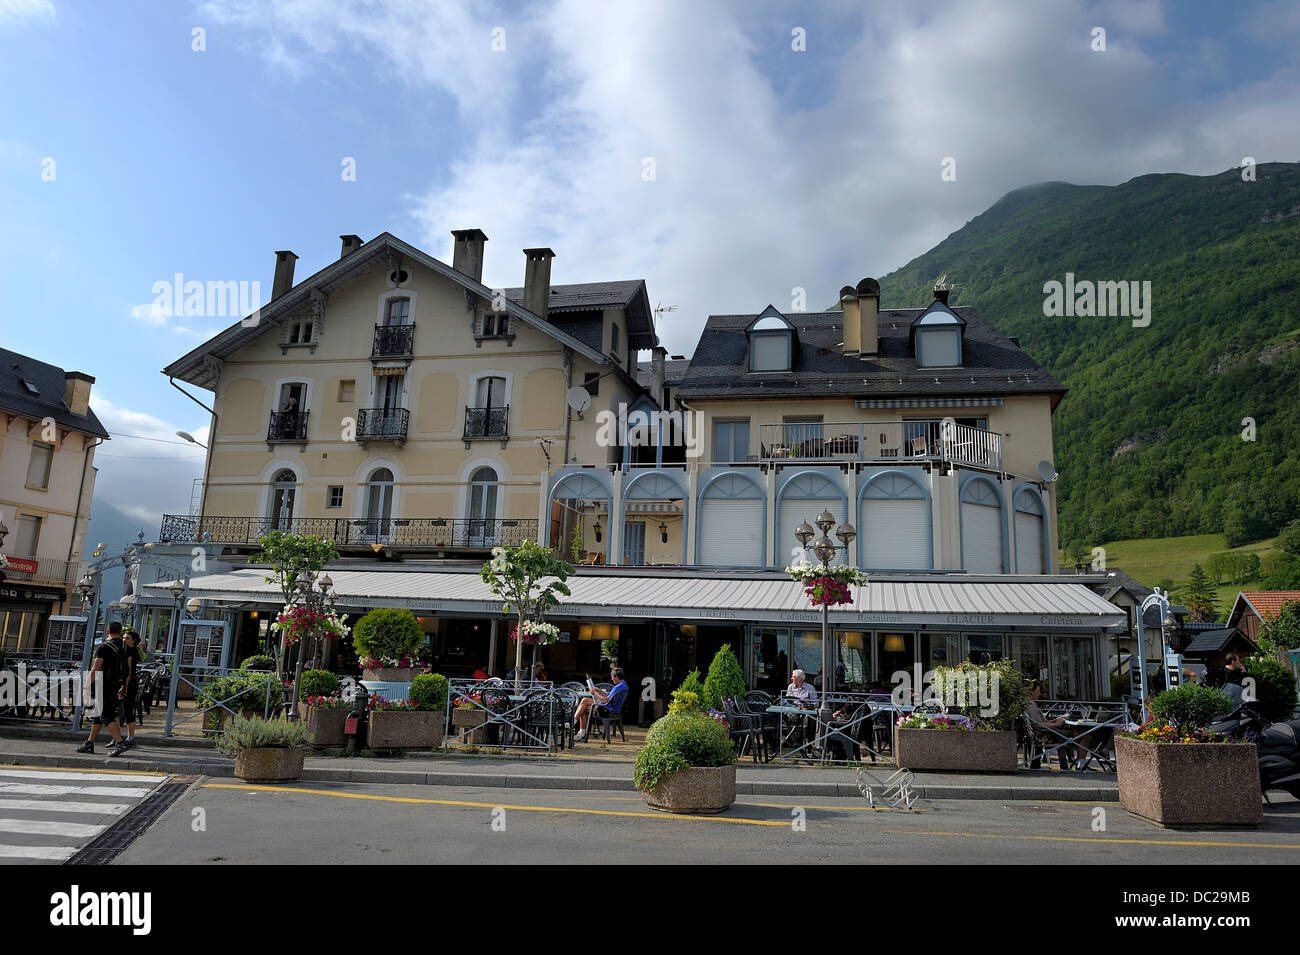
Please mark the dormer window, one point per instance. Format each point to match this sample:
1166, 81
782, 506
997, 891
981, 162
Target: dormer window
937, 337
771, 342
494, 325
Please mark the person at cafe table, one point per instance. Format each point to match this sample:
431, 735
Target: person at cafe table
801, 690
611, 703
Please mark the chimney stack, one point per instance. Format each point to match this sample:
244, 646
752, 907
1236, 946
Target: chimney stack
868, 292
941, 293
657, 357
76, 391
852, 330
467, 252
350, 244
537, 281
283, 281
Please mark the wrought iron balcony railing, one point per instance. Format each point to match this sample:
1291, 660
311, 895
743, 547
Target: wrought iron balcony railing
393, 341
425, 532
41, 570
287, 426
486, 422
382, 424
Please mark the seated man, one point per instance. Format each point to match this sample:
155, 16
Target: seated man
611, 703
801, 690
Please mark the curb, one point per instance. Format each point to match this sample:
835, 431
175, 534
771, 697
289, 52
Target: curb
748, 787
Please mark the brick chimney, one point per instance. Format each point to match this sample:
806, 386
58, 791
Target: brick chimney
350, 244
868, 292
283, 281
467, 252
76, 391
537, 281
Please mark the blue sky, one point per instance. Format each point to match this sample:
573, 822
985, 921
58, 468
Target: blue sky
774, 168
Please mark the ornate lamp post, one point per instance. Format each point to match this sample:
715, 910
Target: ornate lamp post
824, 548
319, 599
1167, 624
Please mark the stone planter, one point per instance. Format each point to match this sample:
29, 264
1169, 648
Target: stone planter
390, 674
981, 751
695, 789
463, 719
405, 729
1189, 784
324, 723
269, 764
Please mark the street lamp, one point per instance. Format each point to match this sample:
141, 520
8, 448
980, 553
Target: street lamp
317, 598
825, 549
191, 439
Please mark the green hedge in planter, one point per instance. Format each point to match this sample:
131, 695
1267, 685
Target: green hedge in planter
231, 690
965, 678
1190, 706
387, 632
258, 661
317, 683
429, 691
680, 740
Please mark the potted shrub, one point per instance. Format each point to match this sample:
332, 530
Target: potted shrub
686, 765
468, 715
416, 723
386, 639
326, 718
980, 736
1175, 774
245, 692
265, 750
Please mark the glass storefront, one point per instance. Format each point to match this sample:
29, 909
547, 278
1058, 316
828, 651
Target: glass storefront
1075, 669
20, 630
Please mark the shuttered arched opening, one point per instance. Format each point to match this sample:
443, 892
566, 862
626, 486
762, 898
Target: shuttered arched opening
981, 529
894, 524
731, 524
1029, 533
803, 498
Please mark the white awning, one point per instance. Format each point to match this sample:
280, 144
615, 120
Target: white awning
682, 595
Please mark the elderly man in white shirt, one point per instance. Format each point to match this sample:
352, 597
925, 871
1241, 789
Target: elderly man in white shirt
801, 690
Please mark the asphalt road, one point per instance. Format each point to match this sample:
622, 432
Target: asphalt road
219, 821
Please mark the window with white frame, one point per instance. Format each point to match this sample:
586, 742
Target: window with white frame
334, 496
299, 332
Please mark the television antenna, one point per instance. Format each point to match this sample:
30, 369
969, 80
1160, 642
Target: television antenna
661, 308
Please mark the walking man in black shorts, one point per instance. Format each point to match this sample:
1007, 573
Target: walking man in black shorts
106, 670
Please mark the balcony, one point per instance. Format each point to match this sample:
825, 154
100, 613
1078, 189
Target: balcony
382, 424
486, 423
287, 426
393, 341
880, 442
46, 571
426, 533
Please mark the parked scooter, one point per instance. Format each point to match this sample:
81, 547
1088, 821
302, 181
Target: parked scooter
1278, 745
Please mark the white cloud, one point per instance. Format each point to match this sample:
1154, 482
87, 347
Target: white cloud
756, 193
150, 314
15, 11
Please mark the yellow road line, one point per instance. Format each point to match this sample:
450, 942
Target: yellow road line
1101, 841
493, 805
86, 769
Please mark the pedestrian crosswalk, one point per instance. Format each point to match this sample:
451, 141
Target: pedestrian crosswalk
47, 815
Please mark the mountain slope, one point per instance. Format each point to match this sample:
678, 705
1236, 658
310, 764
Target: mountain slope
1149, 439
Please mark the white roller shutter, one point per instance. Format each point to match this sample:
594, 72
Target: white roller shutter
731, 533
981, 528
895, 534
795, 511
1029, 543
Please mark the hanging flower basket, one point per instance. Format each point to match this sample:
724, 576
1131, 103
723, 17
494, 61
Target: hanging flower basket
543, 633
298, 622
827, 586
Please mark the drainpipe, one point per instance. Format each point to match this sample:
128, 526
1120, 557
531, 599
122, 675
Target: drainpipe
76, 515
568, 412
207, 462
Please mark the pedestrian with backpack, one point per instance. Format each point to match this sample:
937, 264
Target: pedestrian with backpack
132, 712
104, 690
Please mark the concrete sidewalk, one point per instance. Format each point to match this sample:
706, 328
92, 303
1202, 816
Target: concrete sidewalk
42, 748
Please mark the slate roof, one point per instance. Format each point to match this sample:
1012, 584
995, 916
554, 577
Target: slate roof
719, 367
630, 295
49, 382
1212, 641
1117, 580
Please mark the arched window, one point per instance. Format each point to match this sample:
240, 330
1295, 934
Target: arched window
732, 523
803, 498
379, 503
1029, 533
894, 524
283, 487
981, 529
483, 507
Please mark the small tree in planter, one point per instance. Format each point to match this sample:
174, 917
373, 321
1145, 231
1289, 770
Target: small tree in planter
989, 698
725, 681
417, 723
528, 579
687, 765
1175, 773
265, 750
386, 640
293, 557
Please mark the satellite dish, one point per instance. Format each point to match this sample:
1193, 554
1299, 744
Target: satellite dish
578, 399
1046, 472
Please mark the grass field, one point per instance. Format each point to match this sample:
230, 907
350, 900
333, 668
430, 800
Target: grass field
1151, 561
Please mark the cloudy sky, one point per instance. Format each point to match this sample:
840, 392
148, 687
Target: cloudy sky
727, 153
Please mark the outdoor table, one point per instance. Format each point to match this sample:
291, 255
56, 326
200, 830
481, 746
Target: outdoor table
1090, 726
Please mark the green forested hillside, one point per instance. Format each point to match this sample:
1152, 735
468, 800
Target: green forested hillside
1149, 439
